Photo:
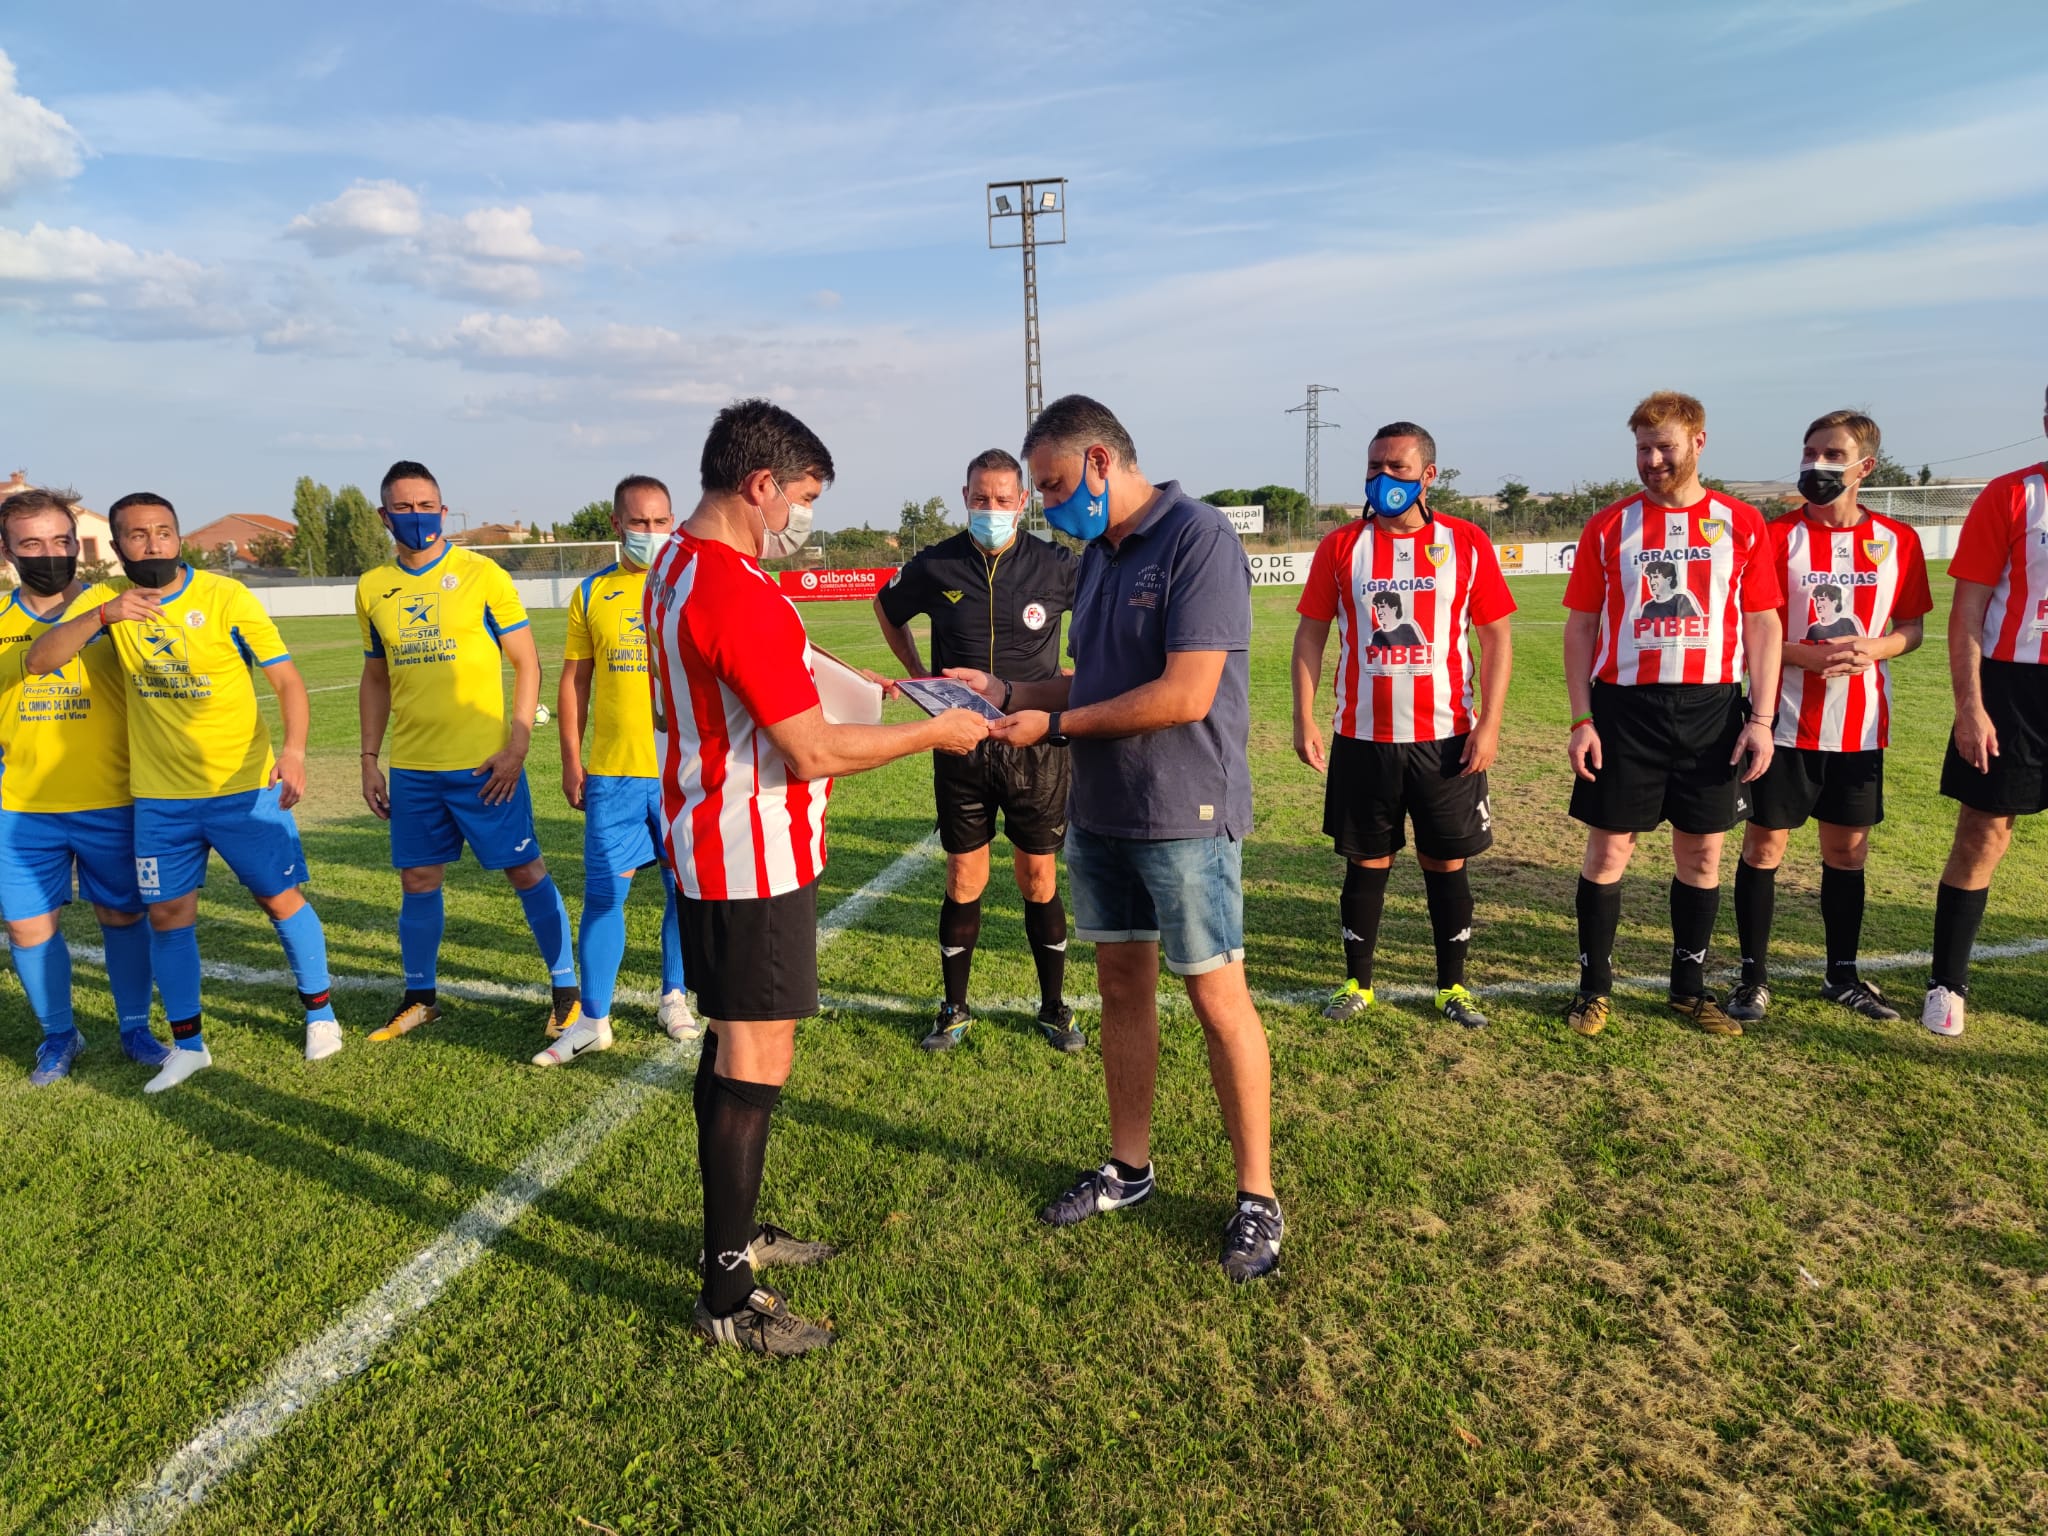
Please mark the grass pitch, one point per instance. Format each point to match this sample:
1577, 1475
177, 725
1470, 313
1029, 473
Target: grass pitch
1653, 1282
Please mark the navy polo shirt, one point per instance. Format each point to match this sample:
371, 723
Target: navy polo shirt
1178, 582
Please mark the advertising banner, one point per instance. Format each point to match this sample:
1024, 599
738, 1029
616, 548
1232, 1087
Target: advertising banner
811, 586
1246, 519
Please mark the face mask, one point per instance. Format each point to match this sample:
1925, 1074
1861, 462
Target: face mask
1085, 513
1822, 484
781, 543
415, 530
992, 530
157, 571
641, 548
46, 575
1386, 496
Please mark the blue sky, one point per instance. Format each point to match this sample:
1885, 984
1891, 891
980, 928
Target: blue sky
537, 242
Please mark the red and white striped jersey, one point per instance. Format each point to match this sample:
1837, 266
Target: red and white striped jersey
1671, 585
728, 656
1403, 603
1839, 583
2004, 546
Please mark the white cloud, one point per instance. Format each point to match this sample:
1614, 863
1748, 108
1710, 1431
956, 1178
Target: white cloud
368, 213
495, 338
502, 234
35, 143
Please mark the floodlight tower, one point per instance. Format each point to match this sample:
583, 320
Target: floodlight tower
1027, 202
1312, 466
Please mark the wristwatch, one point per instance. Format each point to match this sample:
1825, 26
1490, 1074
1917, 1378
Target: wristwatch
1053, 733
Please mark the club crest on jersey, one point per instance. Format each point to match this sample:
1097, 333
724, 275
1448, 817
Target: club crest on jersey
1438, 553
1712, 528
448, 582
1875, 550
194, 618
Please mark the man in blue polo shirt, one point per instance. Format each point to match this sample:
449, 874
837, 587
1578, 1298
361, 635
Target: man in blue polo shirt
1158, 716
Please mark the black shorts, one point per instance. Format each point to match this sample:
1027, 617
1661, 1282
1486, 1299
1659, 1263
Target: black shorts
752, 959
1844, 789
1664, 750
1027, 784
2016, 699
1374, 786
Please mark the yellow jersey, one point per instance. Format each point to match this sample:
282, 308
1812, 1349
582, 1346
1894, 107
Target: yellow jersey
437, 629
193, 728
606, 629
65, 735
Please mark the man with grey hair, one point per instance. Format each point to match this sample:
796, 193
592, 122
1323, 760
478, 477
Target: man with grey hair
1158, 714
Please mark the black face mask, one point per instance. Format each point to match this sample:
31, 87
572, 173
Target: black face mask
152, 573
46, 575
1822, 486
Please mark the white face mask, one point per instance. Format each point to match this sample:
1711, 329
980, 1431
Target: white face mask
781, 543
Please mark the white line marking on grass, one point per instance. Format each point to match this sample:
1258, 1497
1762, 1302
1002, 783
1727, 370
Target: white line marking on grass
271, 698
225, 1445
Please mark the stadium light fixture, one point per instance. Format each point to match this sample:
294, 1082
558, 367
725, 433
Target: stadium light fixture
1024, 215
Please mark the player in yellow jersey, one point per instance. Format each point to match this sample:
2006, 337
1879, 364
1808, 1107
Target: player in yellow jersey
439, 622
64, 797
199, 762
617, 787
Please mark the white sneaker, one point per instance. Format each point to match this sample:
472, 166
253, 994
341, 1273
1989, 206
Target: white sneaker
584, 1035
183, 1064
1943, 1011
676, 1018
323, 1039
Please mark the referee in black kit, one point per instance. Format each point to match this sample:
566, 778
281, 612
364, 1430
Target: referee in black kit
995, 601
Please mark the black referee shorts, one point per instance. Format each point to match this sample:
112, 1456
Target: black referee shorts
1664, 750
752, 959
1843, 789
2016, 699
1374, 788
1028, 785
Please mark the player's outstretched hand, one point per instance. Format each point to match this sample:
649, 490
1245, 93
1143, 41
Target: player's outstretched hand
1584, 751
1025, 728
1308, 745
1976, 738
290, 778
886, 684
375, 795
960, 730
1756, 744
990, 688
572, 785
1481, 748
504, 767
132, 606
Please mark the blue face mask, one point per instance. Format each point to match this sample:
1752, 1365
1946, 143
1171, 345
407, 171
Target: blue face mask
641, 548
1084, 514
1386, 496
415, 530
992, 530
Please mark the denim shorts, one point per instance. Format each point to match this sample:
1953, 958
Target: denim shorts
1185, 894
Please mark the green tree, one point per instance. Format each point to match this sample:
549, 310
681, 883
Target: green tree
356, 539
270, 551
592, 524
312, 508
859, 546
1926, 474
923, 523
1889, 471
1447, 500
1514, 503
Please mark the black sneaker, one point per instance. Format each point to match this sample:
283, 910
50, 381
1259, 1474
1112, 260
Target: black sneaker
775, 1247
764, 1325
1057, 1025
948, 1029
1860, 997
1251, 1240
1096, 1191
1750, 1001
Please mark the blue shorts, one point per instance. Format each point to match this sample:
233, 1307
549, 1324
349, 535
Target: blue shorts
621, 825
434, 813
1185, 894
38, 848
257, 837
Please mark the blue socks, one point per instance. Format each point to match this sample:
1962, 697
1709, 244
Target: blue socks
671, 936
549, 920
601, 941
174, 956
421, 917
45, 971
128, 972
305, 951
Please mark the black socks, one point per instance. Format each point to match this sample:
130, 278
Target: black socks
1957, 915
1599, 921
1450, 922
959, 929
732, 1145
1693, 910
1756, 902
1359, 908
1841, 913
1045, 926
